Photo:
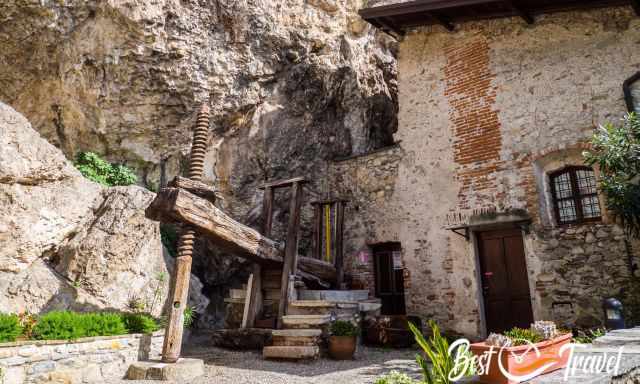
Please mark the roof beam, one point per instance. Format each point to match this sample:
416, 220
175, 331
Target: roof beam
442, 21
389, 27
636, 6
520, 11
417, 6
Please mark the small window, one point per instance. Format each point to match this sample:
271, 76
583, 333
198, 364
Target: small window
575, 195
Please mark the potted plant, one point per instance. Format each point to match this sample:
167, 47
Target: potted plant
342, 343
519, 354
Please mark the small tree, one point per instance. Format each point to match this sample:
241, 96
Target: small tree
616, 150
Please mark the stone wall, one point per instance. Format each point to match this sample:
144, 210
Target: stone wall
368, 182
486, 113
86, 360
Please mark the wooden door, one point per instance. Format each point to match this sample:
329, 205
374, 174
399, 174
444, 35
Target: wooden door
505, 284
389, 279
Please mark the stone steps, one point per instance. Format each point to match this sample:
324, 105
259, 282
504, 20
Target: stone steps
306, 321
296, 337
291, 352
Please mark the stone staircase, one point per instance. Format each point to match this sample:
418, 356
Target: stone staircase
306, 325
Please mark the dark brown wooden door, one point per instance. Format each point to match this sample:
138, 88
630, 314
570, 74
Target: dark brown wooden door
505, 285
389, 279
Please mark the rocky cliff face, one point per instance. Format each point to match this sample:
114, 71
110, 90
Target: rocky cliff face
66, 242
292, 84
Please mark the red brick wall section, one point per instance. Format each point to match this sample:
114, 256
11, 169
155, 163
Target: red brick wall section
474, 120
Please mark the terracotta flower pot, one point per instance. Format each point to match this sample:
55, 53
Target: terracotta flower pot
342, 347
521, 361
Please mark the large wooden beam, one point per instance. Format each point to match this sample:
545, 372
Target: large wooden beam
198, 188
178, 205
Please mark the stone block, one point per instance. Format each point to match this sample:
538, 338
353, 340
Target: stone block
291, 352
92, 374
65, 376
41, 367
13, 375
183, 370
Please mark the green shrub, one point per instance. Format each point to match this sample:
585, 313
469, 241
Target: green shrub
395, 377
10, 328
587, 336
94, 168
169, 238
344, 328
189, 317
65, 325
615, 150
520, 336
102, 324
139, 323
437, 351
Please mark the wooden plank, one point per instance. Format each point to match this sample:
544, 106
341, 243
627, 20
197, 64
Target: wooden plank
284, 183
289, 264
196, 187
178, 205
247, 304
267, 211
339, 262
318, 268
172, 204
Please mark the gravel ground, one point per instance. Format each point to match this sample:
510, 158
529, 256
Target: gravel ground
231, 367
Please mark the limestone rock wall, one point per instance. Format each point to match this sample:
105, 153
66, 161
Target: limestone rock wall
68, 243
292, 85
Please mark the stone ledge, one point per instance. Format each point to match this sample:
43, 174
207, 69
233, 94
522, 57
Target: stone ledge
78, 341
184, 369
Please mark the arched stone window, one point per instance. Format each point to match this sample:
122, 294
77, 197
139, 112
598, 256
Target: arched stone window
574, 193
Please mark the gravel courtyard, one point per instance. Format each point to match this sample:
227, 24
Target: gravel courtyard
231, 367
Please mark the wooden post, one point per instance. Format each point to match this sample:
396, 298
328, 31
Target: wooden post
253, 301
289, 264
339, 261
247, 303
182, 273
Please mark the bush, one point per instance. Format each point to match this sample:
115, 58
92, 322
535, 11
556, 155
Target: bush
10, 328
65, 325
587, 337
395, 377
521, 336
616, 150
139, 323
344, 328
169, 238
94, 168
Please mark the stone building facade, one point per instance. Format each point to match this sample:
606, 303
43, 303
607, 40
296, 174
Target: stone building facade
488, 114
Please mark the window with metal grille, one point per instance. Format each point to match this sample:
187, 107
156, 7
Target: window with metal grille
575, 195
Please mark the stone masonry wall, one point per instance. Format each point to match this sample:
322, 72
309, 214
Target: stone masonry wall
486, 113
368, 182
87, 360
